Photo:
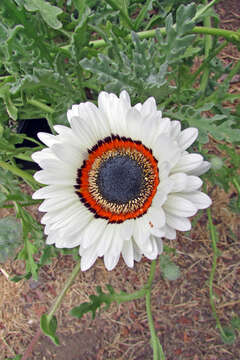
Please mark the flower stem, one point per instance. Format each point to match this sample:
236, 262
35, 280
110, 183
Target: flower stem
212, 273
157, 348
236, 184
207, 46
63, 292
45, 108
229, 35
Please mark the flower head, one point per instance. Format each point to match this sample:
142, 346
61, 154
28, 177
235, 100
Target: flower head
118, 180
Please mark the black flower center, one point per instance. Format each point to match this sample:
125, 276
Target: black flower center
120, 179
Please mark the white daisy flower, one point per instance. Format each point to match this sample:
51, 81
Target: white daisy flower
118, 180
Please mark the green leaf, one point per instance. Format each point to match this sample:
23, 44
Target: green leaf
47, 254
17, 357
95, 302
219, 126
235, 322
139, 20
184, 18
229, 335
48, 12
81, 35
10, 237
5, 95
3, 198
170, 270
135, 67
49, 327
17, 278
27, 253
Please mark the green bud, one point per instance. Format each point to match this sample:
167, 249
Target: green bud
216, 163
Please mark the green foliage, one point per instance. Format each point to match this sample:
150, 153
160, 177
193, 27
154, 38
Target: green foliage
51, 57
229, 335
235, 322
10, 237
49, 326
228, 173
48, 12
170, 270
96, 301
220, 126
143, 65
17, 357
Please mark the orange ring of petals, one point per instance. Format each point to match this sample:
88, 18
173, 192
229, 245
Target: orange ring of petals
114, 143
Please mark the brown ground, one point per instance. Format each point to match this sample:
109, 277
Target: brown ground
181, 309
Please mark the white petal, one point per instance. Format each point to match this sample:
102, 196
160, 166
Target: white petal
69, 154
51, 191
187, 137
66, 135
47, 139
117, 243
115, 111
58, 202
138, 107
193, 183
136, 252
170, 233
165, 149
163, 169
148, 107
50, 178
198, 198
141, 236
111, 257
177, 205
187, 163
77, 209
159, 245
93, 232
51, 238
127, 253
125, 97
178, 223
79, 222
175, 129
133, 124
68, 242
164, 127
157, 232
95, 120
106, 239
110, 261
62, 130
73, 112
201, 169
154, 252
88, 258
83, 131
126, 229
149, 131
164, 188
179, 182
42, 155
157, 216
